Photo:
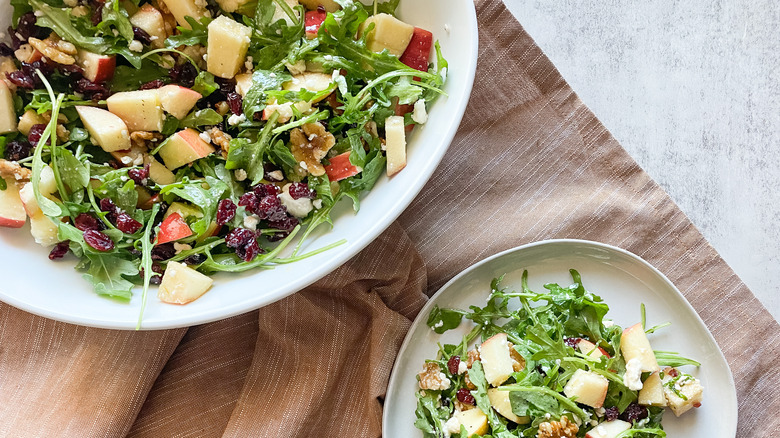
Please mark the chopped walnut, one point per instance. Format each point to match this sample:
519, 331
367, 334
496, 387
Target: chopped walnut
310, 144
518, 362
462, 406
220, 139
558, 429
12, 169
24, 53
55, 49
433, 378
468, 382
140, 138
473, 357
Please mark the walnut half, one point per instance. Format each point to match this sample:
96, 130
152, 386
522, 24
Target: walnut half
55, 49
558, 429
433, 378
309, 145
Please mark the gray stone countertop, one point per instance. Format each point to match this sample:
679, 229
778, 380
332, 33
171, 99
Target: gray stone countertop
692, 90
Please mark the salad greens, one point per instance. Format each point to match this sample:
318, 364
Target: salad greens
563, 352
297, 127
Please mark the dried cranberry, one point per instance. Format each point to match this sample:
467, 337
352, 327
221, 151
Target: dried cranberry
155, 279
126, 224
572, 342
6, 50
465, 397
30, 69
85, 222
195, 259
634, 412
672, 372
18, 150
249, 252
36, 131
98, 240
21, 79
94, 90
27, 27
250, 201
226, 86
263, 190
226, 211
59, 251
109, 207
611, 413
235, 101
453, 364
142, 36
157, 83
97, 11
288, 223
164, 251
239, 237
271, 209
139, 176
70, 70
184, 74
300, 190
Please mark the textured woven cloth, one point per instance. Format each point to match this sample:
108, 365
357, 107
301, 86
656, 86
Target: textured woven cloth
529, 160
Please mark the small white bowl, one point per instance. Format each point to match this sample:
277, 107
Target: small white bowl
55, 290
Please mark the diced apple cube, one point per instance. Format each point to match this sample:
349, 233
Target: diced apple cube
7, 111
183, 210
43, 230
173, 228
183, 148
47, 185
29, 119
395, 137
159, 173
389, 33
587, 387
474, 420
589, 349
496, 359
635, 345
314, 20
151, 21
187, 8
328, 5
7, 65
177, 100
141, 110
228, 42
97, 68
131, 157
652, 392
281, 15
608, 429
688, 386
500, 401
341, 168
314, 82
243, 83
418, 53
240, 6
12, 214
106, 129
182, 284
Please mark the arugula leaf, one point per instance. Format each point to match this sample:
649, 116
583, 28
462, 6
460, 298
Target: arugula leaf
205, 84
21, 7
197, 34
262, 81
128, 78
249, 156
405, 91
441, 320
74, 173
204, 117
59, 20
205, 198
430, 415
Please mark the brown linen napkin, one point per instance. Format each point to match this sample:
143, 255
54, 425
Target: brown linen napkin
530, 162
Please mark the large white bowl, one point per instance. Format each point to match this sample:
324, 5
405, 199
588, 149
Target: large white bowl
55, 290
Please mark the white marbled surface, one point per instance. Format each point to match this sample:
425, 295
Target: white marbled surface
692, 90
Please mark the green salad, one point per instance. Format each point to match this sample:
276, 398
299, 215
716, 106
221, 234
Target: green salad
554, 367
163, 141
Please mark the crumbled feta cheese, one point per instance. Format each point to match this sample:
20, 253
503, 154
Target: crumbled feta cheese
452, 427
462, 367
312, 137
206, 57
439, 324
297, 68
126, 159
205, 136
123, 178
328, 57
303, 165
277, 175
234, 120
420, 114
272, 75
608, 323
240, 175
317, 203
38, 14
250, 222
139, 160
179, 247
297, 207
632, 379
249, 64
135, 46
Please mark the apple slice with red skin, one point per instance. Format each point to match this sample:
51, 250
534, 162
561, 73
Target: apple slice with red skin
173, 228
314, 20
108, 130
341, 168
608, 429
418, 53
12, 214
183, 148
97, 68
177, 100
8, 120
